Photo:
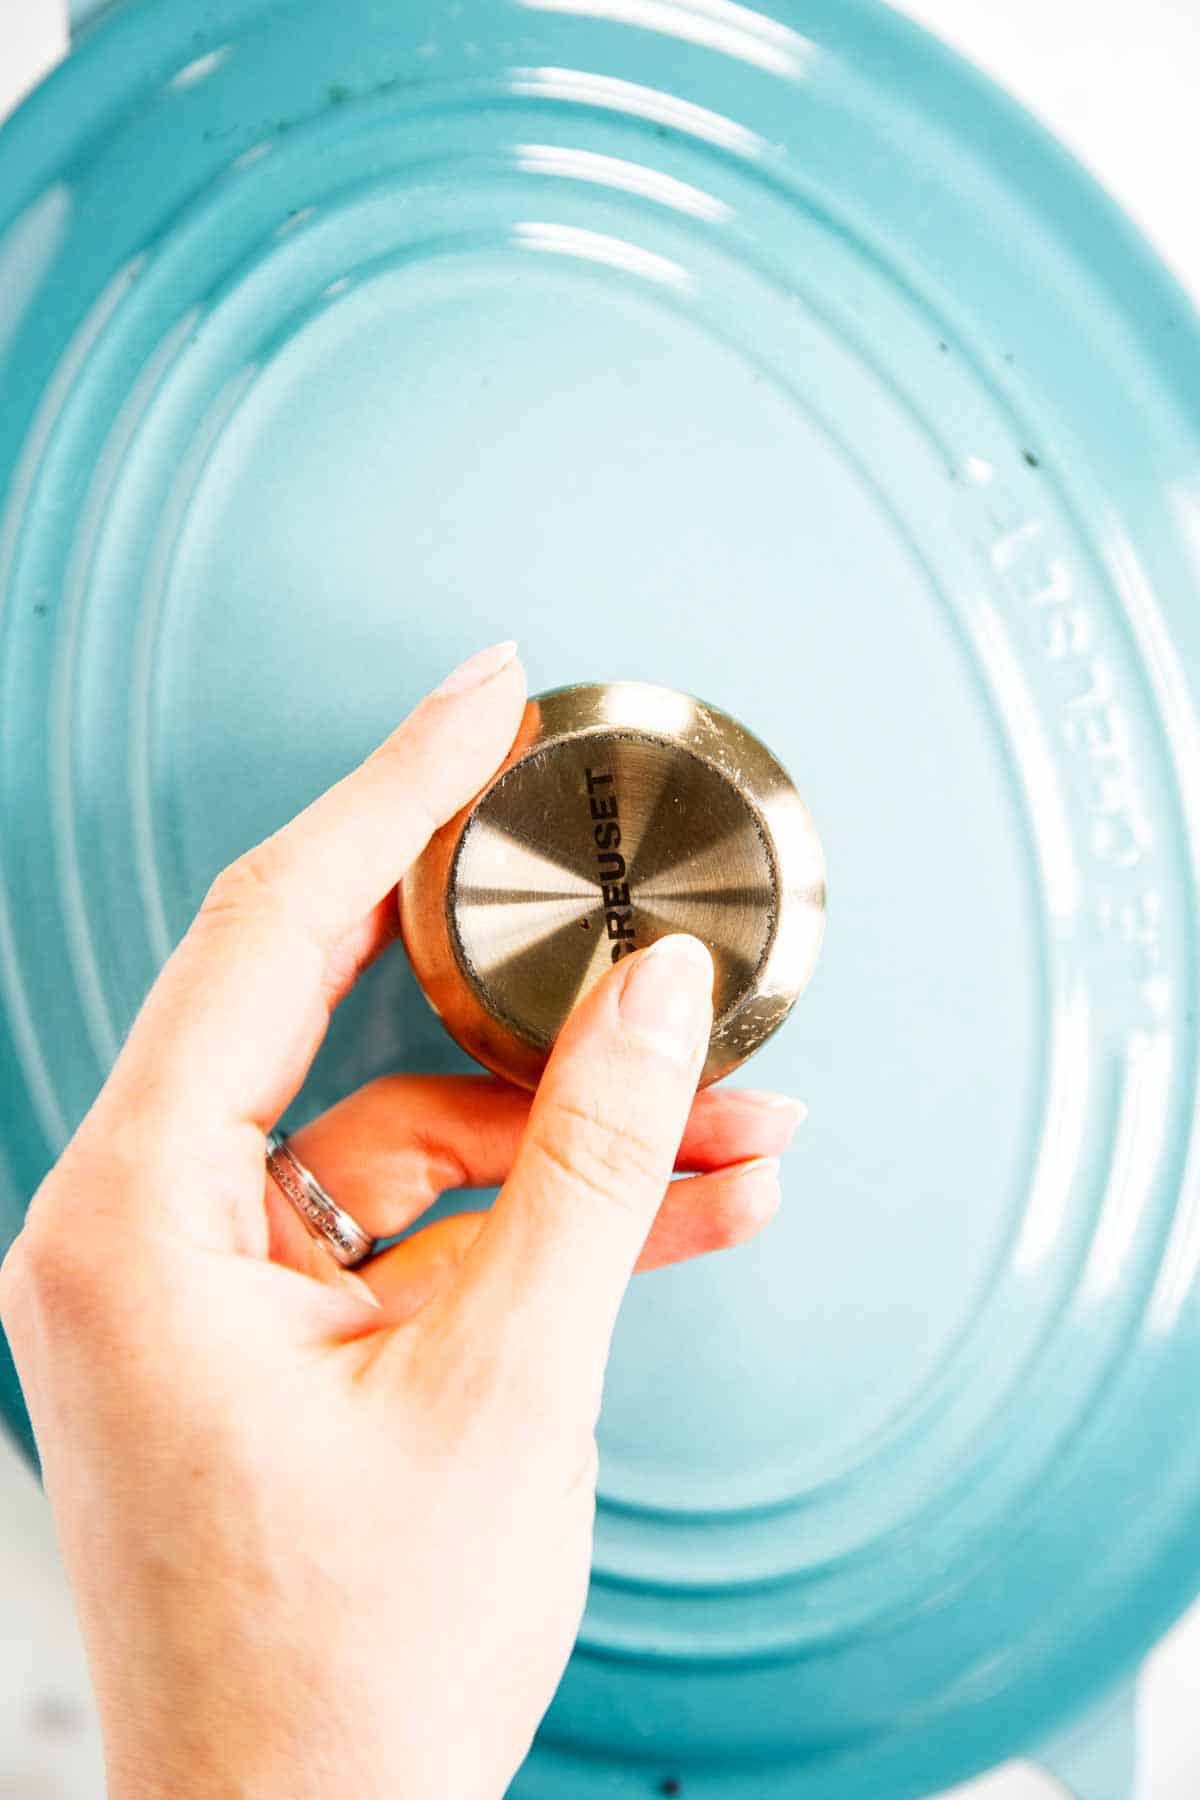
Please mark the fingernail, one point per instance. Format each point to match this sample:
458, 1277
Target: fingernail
774, 1103
756, 1167
753, 1164
667, 998
358, 1286
478, 668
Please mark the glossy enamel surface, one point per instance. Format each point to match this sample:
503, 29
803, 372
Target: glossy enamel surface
766, 356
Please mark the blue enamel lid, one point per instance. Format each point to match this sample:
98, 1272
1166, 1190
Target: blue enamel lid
775, 357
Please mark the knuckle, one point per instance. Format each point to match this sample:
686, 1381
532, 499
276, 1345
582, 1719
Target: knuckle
422, 1154
245, 884
440, 1169
607, 1159
40, 1270
253, 897
55, 1268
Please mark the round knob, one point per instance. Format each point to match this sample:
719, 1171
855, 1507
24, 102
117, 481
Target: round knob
624, 812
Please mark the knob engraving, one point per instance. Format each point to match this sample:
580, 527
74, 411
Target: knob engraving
624, 812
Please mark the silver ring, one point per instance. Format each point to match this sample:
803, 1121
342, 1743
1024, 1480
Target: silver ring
330, 1223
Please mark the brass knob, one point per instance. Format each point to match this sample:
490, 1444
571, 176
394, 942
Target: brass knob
624, 812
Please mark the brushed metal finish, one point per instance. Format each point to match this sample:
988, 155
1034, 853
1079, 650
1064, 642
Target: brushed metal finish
624, 812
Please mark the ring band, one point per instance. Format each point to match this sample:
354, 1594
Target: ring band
330, 1223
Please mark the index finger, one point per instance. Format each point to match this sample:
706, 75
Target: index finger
230, 1027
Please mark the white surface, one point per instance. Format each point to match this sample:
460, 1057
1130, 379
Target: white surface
1120, 85
49, 1744
33, 35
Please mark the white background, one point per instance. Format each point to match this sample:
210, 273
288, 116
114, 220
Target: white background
1121, 85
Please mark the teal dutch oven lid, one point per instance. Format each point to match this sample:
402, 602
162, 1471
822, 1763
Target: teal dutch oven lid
775, 357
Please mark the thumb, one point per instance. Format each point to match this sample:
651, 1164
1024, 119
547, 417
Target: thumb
559, 1246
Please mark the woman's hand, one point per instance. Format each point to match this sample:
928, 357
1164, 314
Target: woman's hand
330, 1536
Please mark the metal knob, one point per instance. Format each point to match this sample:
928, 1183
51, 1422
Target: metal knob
624, 812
